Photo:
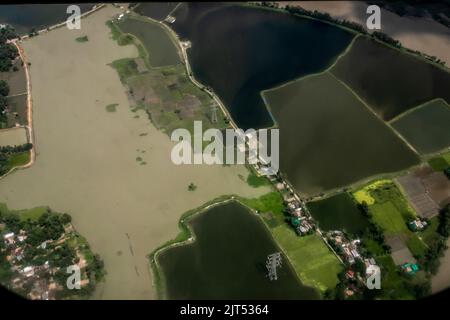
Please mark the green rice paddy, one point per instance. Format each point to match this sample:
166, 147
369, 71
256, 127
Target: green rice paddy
314, 263
427, 128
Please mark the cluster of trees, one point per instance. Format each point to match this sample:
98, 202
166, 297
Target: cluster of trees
4, 91
436, 250
8, 52
16, 149
49, 226
349, 24
373, 231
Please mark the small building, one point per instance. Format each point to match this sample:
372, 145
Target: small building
410, 268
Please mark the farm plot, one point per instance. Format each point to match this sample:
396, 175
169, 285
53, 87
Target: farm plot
427, 127
391, 211
13, 137
316, 128
314, 263
390, 81
18, 110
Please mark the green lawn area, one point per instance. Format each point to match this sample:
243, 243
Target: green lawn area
387, 216
19, 159
314, 263
270, 202
417, 247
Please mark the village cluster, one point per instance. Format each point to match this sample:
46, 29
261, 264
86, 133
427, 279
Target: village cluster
34, 272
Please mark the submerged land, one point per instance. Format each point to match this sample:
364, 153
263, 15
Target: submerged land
349, 191
86, 158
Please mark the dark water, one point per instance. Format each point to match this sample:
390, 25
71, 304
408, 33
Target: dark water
239, 51
24, 17
227, 260
156, 10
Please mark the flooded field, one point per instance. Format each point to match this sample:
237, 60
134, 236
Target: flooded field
389, 81
226, 261
25, 17
427, 127
339, 212
417, 33
13, 137
163, 54
16, 79
239, 51
322, 147
86, 158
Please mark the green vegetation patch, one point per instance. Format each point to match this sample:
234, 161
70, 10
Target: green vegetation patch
438, 164
111, 107
125, 67
19, 159
427, 127
317, 127
389, 80
313, 261
256, 181
82, 39
338, 212
388, 217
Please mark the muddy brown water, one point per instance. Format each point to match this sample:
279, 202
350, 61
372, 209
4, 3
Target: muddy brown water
86, 158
